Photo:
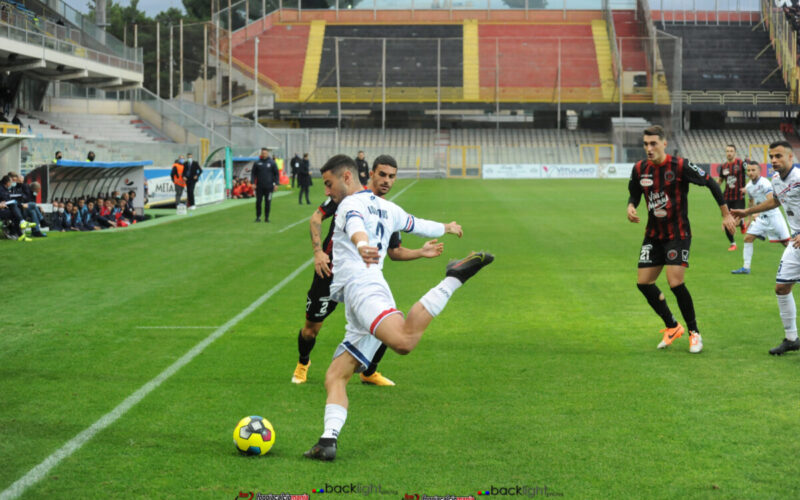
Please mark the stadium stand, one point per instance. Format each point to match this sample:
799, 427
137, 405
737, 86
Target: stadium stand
96, 127
412, 53
726, 57
530, 56
629, 30
426, 147
708, 146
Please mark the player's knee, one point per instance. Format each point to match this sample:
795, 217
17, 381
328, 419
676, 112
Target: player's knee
402, 349
311, 330
334, 380
783, 288
675, 282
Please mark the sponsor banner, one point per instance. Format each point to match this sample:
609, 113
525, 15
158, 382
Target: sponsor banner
133, 182
539, 171
615, 171
512, 171
210, 188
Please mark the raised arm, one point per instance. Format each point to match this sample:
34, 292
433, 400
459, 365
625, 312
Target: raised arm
430, 250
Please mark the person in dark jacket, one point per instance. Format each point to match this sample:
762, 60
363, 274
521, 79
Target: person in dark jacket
294, 164
265, 177
304, 179
26, 201
193, 173
363, 169
12, 212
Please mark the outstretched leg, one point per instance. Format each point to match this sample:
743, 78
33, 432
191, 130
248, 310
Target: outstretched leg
403, 335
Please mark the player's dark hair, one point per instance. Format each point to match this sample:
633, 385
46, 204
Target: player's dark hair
384, 160
655, 130
731, 146
784, 144
5, 179
338, 163
753, 162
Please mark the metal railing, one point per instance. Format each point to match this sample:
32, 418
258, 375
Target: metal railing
107, 39
784, 40
174, 113
733, 97
19, 28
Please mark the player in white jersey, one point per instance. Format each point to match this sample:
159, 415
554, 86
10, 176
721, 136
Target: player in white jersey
786, 186
364, 223
770, 224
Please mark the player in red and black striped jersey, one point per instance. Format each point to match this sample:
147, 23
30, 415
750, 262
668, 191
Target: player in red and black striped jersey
664, 181
732, 174
318, 302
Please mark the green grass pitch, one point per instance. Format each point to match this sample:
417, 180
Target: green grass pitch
541, 372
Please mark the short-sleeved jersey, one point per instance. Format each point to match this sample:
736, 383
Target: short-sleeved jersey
733, 174
758, 192
665, 188
381, 218
328, 209
787, 190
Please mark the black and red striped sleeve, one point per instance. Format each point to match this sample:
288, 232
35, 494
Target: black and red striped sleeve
634, 185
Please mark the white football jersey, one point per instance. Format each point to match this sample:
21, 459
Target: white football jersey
758, 190
379, 218
788, 193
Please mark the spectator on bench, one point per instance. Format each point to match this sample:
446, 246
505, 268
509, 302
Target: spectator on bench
11, 229
26, 201
106, 217
14, 218
74, 220
57, 219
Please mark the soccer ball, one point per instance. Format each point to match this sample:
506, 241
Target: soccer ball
253, 435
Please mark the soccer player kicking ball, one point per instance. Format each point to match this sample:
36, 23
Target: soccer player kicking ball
364, 223
786, 185
318, 302
664, 180
769, 224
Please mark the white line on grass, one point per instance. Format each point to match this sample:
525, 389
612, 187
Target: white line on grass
294, 224
307, 218
174, 327
37, 473
403, 190
40, 471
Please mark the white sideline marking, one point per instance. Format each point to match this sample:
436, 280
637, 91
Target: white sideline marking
403, 190
173, 327
307, 218
37, 473
294, 224
40, 471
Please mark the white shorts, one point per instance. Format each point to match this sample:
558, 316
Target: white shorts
789, 268
367, 302
770, 225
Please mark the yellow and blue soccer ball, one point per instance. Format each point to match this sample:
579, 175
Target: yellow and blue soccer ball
253, 435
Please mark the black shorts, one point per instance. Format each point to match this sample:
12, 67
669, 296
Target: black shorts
318, 303
735, 204
656, 253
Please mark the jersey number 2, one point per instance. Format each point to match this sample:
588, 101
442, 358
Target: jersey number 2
379, 233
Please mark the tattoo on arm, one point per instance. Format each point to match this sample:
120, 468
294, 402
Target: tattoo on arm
316, 242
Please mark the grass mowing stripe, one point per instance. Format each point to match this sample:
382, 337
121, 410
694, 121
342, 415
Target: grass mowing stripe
37, 473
